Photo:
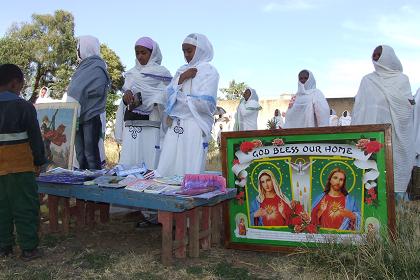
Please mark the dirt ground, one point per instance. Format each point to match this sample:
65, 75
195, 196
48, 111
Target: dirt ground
118, 250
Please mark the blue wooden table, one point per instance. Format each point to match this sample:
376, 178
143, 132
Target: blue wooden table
131, 198
205, 216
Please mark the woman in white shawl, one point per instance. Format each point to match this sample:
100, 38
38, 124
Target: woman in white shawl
190, 107
310, 108
345, 119
247, 113
137, 125
384, 96
44, 96
333, 118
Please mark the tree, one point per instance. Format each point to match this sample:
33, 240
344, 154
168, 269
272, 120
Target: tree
44, 49
234, 91
115, 70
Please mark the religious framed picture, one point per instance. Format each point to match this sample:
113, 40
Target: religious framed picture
302, 187
57, 122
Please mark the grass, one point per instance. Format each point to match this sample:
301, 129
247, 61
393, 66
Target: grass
214, 161
376, 258
117, 251
112, 149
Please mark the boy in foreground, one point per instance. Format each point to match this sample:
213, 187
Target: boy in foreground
21, 156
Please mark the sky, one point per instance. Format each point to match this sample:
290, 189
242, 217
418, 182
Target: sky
263, 43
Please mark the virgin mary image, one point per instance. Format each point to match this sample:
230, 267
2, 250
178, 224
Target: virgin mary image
271, 207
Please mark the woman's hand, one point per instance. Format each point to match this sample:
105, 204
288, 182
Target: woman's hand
169, 121
322, 207
128, 97
37, 170
260, 212
189, 74
280, 207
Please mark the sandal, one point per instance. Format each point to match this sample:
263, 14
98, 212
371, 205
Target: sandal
146, 224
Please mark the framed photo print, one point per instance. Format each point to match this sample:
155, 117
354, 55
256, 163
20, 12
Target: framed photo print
306, 186
57, 122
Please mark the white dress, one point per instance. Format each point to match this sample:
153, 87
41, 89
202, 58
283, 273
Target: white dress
140, 139
191, 106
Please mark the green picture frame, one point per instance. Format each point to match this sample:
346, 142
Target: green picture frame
301, 187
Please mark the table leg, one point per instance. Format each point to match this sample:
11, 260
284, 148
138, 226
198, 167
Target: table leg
215, 224
66, 215
90, 213
194, 233
53, 212
166, 219
81, 214
104, 212
205, 228
180, 234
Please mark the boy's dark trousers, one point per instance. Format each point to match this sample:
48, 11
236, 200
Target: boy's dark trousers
19, 205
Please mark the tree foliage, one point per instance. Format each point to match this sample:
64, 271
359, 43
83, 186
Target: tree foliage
44, 49
115, 70
234, 91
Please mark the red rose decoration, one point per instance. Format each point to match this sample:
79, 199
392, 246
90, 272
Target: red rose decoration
305, 217
361, 144
240, 195
240, 198
311, 228
296, 221
278, 142
299, 228
257, 143
373, 147
298, 208
369, 200
235, 161
247, 147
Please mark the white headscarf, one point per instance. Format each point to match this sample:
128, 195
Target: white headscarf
196, 97
388, 63
150, 79
308, 85
88, 46
383, 97
310, 108
246, 117
345, 120
204, 49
